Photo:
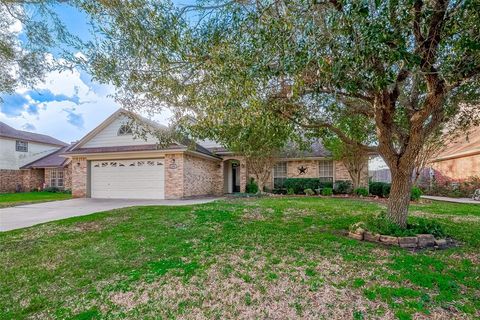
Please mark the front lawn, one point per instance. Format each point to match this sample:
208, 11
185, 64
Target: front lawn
277, 258
15, 199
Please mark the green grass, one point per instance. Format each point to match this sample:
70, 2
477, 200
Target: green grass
239, 258
15, 199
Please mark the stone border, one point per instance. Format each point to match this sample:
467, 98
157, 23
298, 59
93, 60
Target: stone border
420, 241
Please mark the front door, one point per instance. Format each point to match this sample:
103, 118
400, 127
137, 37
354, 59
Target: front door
235, 177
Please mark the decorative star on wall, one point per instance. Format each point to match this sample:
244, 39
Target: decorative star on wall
302, 170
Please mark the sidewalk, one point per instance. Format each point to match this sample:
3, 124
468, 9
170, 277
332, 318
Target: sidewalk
456, 200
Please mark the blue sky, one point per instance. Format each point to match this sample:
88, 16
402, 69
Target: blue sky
68, 104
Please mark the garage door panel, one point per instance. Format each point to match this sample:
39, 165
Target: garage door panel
136, 178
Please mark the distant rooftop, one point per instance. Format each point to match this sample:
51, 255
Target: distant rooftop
9, 132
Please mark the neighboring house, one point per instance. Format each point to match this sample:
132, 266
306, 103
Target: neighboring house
460, 159
111, 162
18, 149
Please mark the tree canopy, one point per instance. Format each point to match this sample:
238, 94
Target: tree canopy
407, 67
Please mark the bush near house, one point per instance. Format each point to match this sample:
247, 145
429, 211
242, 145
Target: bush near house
300, 184
342, 187
452, 188
251, 186
415, 194
361, 192
327, 191
381, 189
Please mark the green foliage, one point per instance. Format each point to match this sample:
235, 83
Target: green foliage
309, 192
361, 192
52, 189
380, 224
290, 191
23, 52
381, 189
415, 194
300, 184
327, 192
251, 186
342, 187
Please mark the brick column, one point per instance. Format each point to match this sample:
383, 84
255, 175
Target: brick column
174, 166
79, 177
243, 174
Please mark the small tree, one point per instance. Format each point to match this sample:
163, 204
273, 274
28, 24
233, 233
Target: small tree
432, 147
353, 157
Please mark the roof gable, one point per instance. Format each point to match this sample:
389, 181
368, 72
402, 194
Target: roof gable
105, 137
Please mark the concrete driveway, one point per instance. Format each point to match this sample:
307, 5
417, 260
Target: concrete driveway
32, 214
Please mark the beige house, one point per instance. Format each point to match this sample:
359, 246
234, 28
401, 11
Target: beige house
460, 159
112, 162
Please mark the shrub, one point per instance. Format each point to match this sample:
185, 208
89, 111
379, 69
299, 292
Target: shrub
251, 186
342, 187
361, 192
279, 191
327, 191
309, 192
380, 224
300, 184
381, 189
386, 190
290, 191
52, 189
415, 194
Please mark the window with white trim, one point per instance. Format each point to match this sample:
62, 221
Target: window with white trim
279, 175
21, 146
124, 130
325, 168
56, 178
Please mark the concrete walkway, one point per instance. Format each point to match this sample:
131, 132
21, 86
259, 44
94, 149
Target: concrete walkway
32, 214
447, 199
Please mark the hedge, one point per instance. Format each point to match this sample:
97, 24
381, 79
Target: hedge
381, 189
298, 185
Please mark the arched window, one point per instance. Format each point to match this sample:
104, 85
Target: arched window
124, 130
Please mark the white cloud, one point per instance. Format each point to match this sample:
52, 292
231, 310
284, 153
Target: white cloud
67, 106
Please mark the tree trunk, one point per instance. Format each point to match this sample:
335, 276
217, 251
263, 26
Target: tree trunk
399, 198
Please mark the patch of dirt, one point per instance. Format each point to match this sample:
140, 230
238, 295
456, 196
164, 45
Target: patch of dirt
89, 226
129, 300
256, 214
450, 217
292, 213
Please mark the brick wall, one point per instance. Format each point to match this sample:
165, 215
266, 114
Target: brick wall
33, 179
459, 168
340, 171
67, 176
174, 176
21, 180
79, 177
201, 176
311, 172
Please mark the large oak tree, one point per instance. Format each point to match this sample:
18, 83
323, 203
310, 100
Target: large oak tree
407, 66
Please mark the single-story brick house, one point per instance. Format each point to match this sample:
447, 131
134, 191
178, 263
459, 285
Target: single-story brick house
112, 162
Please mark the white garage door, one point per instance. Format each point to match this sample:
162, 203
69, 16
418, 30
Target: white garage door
128, 179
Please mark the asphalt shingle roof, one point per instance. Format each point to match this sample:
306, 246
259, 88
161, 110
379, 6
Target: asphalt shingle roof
9, 132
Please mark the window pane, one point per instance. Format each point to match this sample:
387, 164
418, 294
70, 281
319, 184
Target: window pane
21, 146
325, 169
279, 175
